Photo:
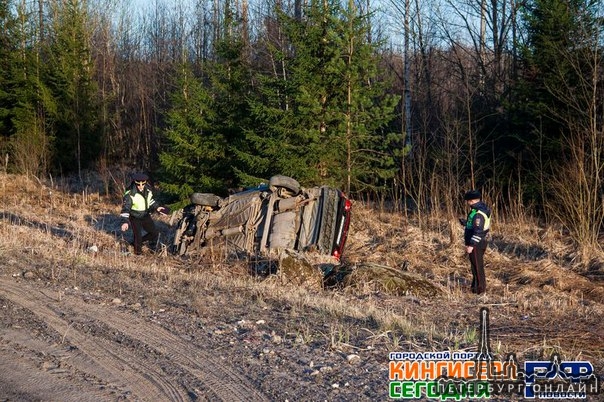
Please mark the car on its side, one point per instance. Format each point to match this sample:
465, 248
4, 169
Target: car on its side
266, 220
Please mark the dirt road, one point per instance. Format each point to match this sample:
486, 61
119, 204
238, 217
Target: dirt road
54, 347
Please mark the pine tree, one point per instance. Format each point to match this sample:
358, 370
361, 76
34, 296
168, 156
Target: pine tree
320, 121
69, 77
8, 48
230, 83
564, 64
364, 109
24, 97
555, 29
193, 148
207, 118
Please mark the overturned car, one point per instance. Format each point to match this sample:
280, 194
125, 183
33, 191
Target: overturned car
265, 220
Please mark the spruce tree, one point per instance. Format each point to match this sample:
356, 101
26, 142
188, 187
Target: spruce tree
8, 48
563, 80
230, 83
555, 30
207, 118
193, 149
69, 77
23, 97
363, 109
321, 121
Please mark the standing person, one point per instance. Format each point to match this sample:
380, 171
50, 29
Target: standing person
477, 225
137, 205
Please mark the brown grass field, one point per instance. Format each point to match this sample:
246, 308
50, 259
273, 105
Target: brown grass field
68, 245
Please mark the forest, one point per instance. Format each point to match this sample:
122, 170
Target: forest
404, 103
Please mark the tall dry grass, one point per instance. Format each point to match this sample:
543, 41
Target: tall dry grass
51, 235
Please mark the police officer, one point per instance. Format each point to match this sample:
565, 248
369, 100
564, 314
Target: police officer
137, 205
477, 225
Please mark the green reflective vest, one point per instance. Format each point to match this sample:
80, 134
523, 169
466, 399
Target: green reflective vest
140, 203
473, 212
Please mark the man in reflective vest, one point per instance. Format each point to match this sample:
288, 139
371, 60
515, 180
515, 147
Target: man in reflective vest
477, 226
137, 205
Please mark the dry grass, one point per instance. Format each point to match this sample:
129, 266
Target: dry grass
541, 300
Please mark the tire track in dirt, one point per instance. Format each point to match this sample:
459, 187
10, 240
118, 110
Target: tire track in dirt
34, 370
219, 377
96, 356
118, 364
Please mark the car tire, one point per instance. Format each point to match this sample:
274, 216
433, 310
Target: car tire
329, 212
205, 199
285, 182
178, 241
182, 248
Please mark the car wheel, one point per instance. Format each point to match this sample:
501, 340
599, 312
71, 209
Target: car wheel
182, 248
178, 235
285, 182
329, 212
205, 199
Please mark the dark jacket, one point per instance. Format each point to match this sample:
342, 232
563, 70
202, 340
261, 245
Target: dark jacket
138, 204
478, 224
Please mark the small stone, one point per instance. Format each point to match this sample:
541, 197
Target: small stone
29, 275
353, 359
335, 385
260, 322
116, 301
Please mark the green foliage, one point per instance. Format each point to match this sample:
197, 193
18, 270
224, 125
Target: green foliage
367, 109
68, 73
564, 83
230, 85
555, 29
23, 97
30, 142
559, 39
303, 96
205, 125
193, 148
8, 48
320, 121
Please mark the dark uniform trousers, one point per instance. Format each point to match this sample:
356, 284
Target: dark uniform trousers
479, 282
138, 225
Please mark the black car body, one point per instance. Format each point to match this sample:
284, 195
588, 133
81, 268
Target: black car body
266, 220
